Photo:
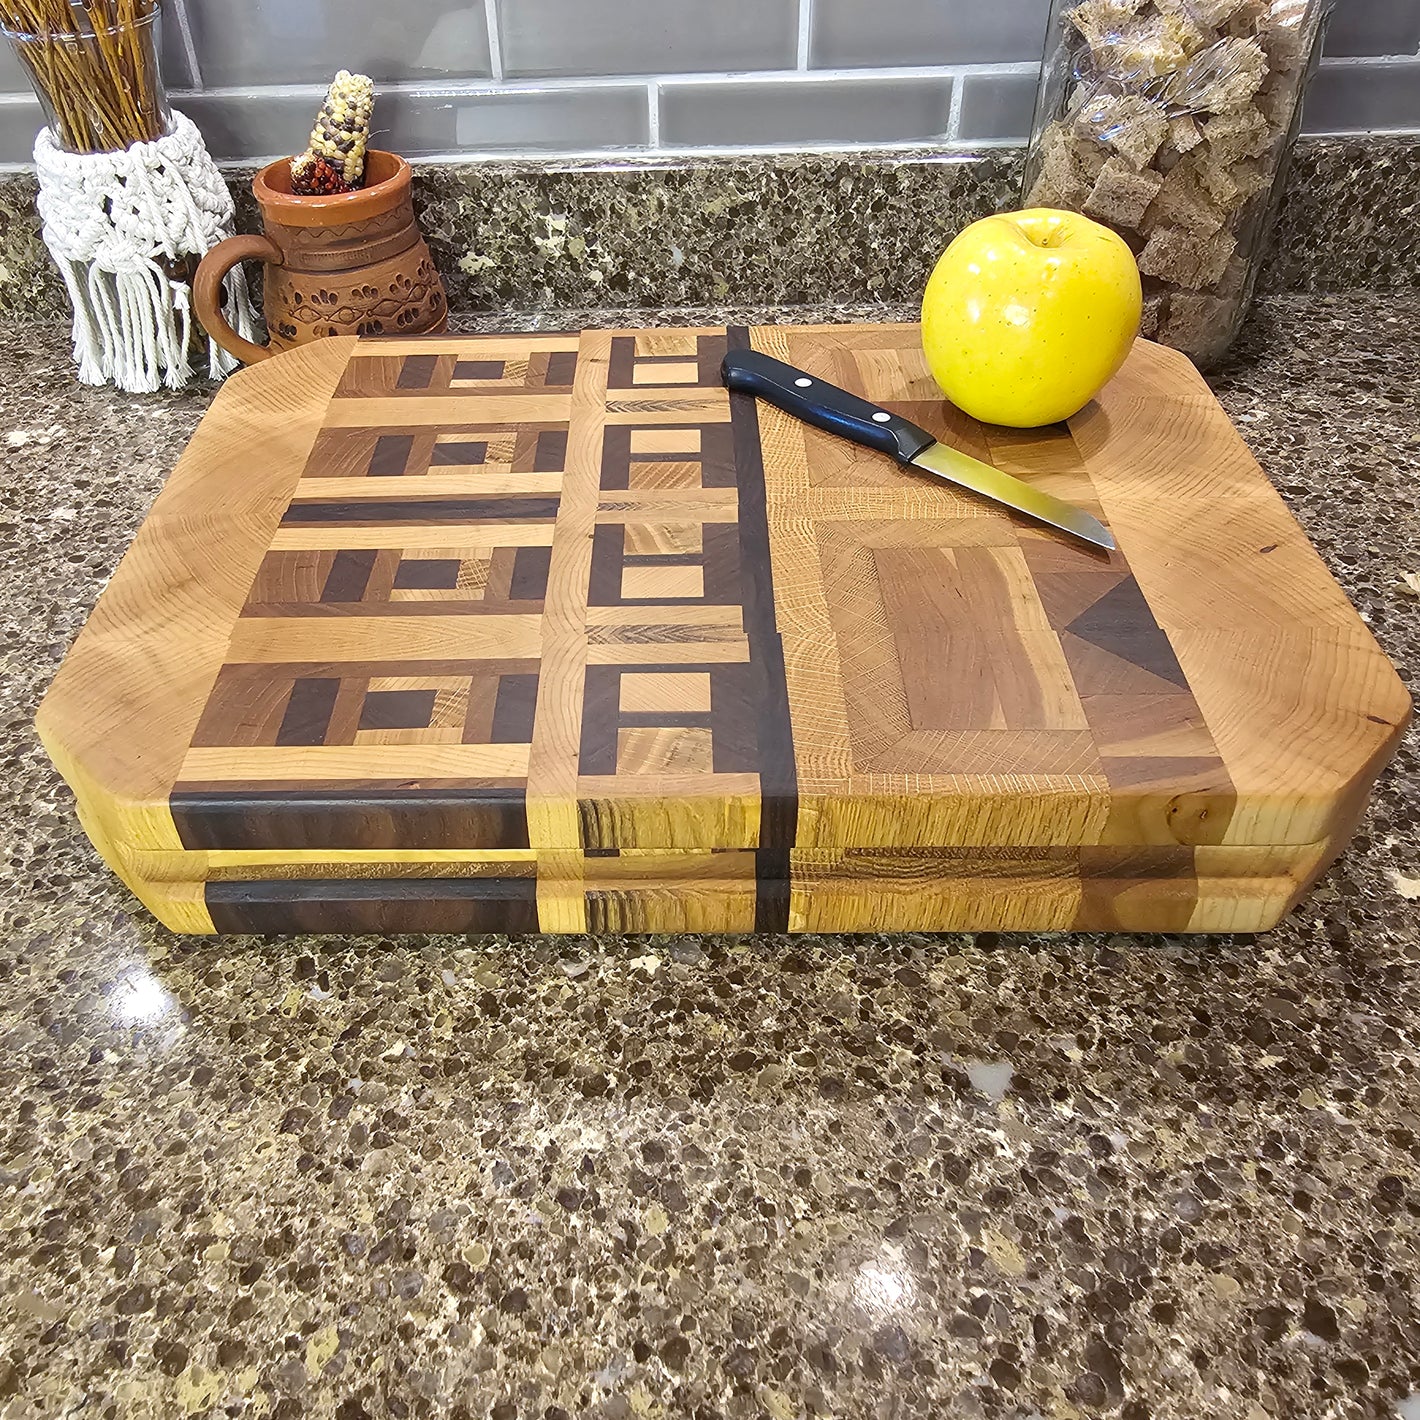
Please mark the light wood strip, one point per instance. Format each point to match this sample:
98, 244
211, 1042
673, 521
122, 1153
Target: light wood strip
422, 411
1008, 903
673, 341
668, 866
672, 811
553, 819
813, 668
687, 690
651, 891
465, 552
1229, 890
257, 863
646, 752
667, 501
388, 869
668, 653
665, 441
917, 497
661, 538
357, 639
662, 583
922, 756
883, 811
351, 765
699, 905
340, 537
561, 894
459, 481
728, 616
701, 511
655, 890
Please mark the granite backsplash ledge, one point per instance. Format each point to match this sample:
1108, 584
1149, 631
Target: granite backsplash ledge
782, 230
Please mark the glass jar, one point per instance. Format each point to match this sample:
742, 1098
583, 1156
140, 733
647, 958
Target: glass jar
1173, 122
96, 74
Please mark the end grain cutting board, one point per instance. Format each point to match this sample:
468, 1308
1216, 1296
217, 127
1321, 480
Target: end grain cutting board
548, 632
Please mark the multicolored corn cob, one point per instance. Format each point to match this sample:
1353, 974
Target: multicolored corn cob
335, 160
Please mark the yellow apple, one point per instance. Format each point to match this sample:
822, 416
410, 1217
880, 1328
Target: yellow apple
1028, 315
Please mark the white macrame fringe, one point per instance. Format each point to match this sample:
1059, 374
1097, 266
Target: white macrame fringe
108, 218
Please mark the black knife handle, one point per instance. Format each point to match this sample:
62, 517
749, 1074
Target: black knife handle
823, 405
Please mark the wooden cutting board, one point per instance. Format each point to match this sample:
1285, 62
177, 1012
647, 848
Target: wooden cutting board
548, 632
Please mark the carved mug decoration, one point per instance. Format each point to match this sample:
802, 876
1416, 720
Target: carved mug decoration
352, 263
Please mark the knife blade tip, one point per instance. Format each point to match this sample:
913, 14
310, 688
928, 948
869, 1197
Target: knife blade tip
1093, 531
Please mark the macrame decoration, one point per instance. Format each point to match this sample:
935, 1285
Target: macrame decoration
111, 222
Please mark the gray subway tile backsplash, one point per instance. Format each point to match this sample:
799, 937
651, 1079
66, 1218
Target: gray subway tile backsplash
1374, 27
854, 33
552, 85
1346, 98
793, 111
549, 37
12, 77
19, 122
552, 120
303, 41
176, 70
236, 129
996, 108
419, 124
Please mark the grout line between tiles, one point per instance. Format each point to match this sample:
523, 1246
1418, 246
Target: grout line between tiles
460, 88
495, 40
189, 46
1367, 61
806, 25
954, 116
939, 151
926, 150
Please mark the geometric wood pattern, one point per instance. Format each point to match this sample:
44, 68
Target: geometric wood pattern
548, 632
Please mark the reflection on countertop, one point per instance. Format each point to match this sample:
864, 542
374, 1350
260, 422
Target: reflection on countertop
890, 1176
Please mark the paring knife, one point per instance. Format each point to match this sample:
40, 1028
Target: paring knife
825, 406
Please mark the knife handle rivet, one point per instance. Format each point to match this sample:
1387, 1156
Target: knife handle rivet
881, 417
803, 383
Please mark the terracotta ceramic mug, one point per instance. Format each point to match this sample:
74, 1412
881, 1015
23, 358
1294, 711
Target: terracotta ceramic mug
350, 264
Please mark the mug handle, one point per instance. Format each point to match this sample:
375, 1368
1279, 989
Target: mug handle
207, 291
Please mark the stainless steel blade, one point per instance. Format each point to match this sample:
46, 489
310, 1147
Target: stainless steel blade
977, 477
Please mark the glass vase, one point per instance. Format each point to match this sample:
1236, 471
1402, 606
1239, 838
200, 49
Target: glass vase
1173, 122
95, 68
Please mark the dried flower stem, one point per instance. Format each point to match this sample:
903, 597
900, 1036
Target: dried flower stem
92, 62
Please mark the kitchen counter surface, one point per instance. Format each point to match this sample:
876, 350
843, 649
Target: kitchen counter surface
881, 1176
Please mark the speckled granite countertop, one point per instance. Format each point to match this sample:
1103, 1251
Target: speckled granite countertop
890, 1177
